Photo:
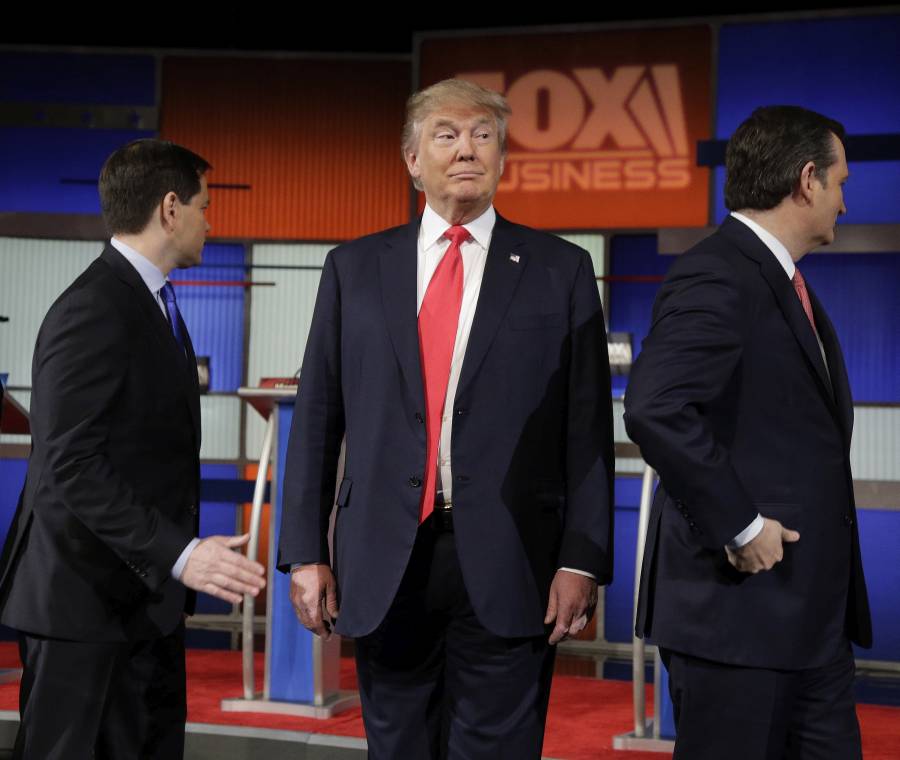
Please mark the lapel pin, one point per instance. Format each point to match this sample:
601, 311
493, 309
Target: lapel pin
514, 258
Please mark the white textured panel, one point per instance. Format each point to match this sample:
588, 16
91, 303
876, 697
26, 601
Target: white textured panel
220, 418
255, 432
280, 318
620, 436
594, 244
875, 452
32, 274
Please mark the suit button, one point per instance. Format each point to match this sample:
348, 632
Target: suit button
692, 524
192, 509
419, 418
848, 520
460, 411
414, 482
462, 478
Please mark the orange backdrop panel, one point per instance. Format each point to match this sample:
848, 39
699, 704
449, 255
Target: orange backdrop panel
605, 124
309, 149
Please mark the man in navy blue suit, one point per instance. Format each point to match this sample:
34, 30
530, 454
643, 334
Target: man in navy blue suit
463, 360
752, 583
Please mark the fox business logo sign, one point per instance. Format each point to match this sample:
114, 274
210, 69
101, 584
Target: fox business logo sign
583, 130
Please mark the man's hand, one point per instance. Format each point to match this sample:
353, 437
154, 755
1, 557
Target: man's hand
573, 598
214, 568
764, 551
314, 596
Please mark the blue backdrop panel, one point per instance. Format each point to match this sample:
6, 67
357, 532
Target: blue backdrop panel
78, 78
39, 164
215, 315
859, 292
631, 303
848, 69
12, 478
36, 160
879, 536
216, 518
619, 597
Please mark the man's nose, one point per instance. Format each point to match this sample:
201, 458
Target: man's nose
465, 148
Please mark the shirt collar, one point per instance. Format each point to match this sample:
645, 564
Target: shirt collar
152, 277
771, 242
433, 227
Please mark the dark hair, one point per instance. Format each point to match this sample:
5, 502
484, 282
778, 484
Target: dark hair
766, 154
136, 177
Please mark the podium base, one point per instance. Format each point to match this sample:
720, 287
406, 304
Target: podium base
333, 705
643, 743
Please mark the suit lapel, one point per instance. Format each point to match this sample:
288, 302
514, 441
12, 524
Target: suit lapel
837, 370
785, 295
506, 260
193, 381
398, 261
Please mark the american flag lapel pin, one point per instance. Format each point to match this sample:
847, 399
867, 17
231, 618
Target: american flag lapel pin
514, 258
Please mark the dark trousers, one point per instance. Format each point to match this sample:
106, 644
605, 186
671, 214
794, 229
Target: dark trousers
108, 701
726, 711
435, 683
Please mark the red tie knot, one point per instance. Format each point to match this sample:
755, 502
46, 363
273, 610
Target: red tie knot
457, 235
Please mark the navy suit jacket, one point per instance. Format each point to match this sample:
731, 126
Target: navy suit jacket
732, 404
110, 498
532, 450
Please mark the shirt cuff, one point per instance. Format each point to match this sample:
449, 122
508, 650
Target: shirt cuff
747, 534
579, 572
178, 567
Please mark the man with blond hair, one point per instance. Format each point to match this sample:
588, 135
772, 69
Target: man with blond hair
463, 360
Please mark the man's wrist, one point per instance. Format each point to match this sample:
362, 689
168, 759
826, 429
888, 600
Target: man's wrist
747, 534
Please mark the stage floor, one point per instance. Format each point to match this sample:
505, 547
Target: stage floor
585, 713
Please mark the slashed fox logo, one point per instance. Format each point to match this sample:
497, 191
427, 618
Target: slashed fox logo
590, 129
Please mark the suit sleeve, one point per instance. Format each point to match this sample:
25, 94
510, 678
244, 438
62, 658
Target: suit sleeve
79, 374
684, 377
587, 542
317, 429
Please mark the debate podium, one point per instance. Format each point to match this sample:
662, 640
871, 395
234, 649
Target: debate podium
301, 670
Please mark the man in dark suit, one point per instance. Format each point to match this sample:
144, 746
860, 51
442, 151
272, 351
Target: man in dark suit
106, 522
752, 583
476, 505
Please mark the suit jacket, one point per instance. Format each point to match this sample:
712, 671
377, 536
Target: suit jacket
532, 451
732, 404
110, 496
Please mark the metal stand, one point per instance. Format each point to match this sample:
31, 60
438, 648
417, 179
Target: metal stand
646, 732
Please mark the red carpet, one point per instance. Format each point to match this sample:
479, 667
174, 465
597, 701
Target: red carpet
584, 713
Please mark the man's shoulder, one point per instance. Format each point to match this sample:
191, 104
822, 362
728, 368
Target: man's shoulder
546, 248
718, 252
391, 237
97, 289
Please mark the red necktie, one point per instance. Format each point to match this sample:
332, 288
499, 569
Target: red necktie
800, 287
438, 320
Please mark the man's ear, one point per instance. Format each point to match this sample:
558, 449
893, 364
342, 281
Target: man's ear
807, 178
412, 164
168, 210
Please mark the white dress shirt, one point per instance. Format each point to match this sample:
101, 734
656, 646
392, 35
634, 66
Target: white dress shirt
432, 246
154, 279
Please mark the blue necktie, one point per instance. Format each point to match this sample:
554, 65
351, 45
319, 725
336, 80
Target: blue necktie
167, 293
